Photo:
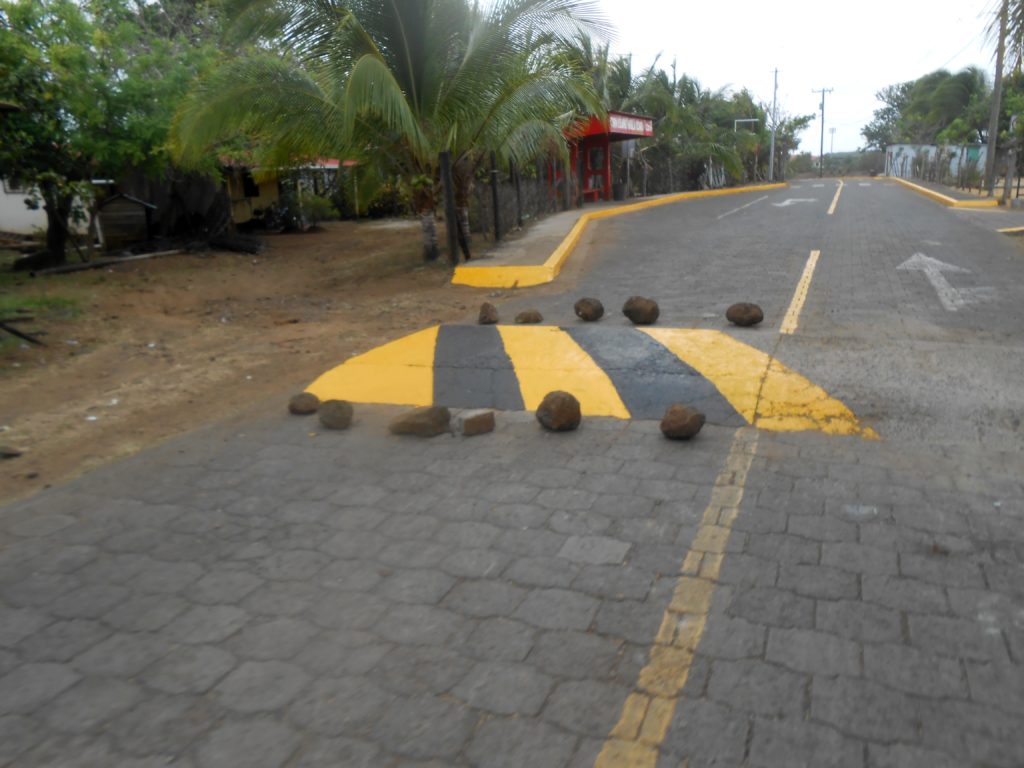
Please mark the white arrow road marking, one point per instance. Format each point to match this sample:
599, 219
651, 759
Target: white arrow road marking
950, 298
793, 200
817, 185
736, 210
864, 184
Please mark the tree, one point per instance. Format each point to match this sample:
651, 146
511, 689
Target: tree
787, 139
394, 84
94, 93
883, 130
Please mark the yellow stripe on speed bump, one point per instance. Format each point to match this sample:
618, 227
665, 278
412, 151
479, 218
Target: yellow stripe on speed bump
546, 358
761, 389
400, 373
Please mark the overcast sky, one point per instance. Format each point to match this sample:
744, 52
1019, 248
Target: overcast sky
856, 48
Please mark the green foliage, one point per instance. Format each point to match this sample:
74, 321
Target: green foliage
939, 107
389, 200
316, 209
392, 84
95, 83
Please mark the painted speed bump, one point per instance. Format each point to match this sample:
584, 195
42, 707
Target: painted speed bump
619, 372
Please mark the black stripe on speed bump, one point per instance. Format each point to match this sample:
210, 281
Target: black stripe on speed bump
472, 369
648, 377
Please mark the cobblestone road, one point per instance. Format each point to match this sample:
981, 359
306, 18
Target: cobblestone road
268, 595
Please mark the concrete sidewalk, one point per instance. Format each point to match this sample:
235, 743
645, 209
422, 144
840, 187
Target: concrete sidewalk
538, 239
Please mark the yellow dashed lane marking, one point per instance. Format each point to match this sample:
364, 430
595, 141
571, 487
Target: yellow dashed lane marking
762, 390
546, 359
792, 319
401, 372
649, 709
835, 200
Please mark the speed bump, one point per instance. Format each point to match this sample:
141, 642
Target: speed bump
619, 372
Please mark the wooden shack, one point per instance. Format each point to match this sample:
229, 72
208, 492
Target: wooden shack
125, 220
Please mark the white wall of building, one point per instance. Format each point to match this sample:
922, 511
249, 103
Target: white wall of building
15, 216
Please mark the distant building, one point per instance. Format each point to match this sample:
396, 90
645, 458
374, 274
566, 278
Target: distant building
15, 216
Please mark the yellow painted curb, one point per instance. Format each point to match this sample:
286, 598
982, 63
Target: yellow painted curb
510, 276
938, 197
1011, 230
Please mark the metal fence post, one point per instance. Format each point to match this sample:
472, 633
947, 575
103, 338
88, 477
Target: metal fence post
451, 222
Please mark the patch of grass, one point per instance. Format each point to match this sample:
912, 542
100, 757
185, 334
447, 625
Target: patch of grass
10, 303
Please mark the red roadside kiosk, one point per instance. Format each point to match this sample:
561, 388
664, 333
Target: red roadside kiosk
590, 149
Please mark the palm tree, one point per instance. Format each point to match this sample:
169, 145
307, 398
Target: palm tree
394, 83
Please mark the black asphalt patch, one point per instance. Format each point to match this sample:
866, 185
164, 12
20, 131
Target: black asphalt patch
648, 377
472, 370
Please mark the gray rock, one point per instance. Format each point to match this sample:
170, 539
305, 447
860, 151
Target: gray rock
430, 421
488, 314
304, 404
559, 412
744, 314
681, 422
641, 311
589, 309
336, 414
529, 316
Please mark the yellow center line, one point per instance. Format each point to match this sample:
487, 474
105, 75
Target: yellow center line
649, 709
792, 318
835, 200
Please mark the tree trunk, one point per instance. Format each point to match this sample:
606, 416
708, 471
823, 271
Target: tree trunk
58, 211
428, 223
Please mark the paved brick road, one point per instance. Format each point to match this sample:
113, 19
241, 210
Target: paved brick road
256, 596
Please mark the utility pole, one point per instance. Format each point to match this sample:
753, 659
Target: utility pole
821, 150
775, 120
997, 92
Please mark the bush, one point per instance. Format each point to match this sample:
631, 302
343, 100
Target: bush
391, 200
316, 209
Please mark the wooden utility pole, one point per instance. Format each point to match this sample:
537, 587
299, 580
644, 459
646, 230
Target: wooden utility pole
997, 92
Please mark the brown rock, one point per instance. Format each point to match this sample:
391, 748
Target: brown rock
681, 422
472, 423
430, 421
336, 414
641, 311
488, 314
744, 314
559, 412
530, 316
589, 309
303, 404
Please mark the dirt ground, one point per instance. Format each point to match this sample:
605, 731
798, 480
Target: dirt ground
162, 346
